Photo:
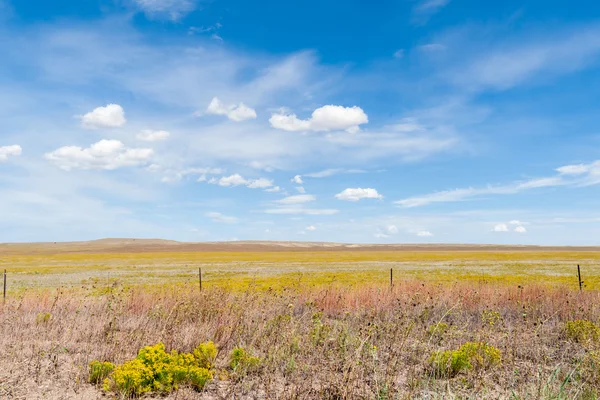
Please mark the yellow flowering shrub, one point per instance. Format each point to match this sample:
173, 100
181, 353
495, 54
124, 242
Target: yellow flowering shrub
205, 354
471, 355
582, 331
156, 371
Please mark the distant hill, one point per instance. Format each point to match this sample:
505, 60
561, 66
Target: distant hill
117, 245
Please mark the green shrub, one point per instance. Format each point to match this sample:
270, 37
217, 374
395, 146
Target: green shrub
156, 371
582, 331
43, 317
242, 361
438, 329
205, 354
471, 355
100, 371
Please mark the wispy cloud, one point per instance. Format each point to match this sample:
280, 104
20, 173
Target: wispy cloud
218, 217
301, 210
501, 67
425, 9
568, 175
171, 9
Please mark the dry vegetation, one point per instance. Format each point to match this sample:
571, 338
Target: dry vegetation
448, 333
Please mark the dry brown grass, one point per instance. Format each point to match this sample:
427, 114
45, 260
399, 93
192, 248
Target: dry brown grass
332, 342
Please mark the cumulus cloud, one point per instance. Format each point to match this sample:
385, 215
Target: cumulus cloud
232, 180
110, 116
173, 175
326, 118
148, 135
10, 151
297, 199
218, 217
311, 228
357, 194
300, 189
171, 9
274, 189
260, 183
520, 229
500, 228
234, 112
238, 180
297, 179
103, 155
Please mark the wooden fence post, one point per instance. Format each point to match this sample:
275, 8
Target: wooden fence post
579, 277
391, 277
200, 277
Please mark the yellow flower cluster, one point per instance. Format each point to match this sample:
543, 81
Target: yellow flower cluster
470, 355
156, 371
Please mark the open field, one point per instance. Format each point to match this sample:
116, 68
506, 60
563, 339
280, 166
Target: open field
239, 265
322, 320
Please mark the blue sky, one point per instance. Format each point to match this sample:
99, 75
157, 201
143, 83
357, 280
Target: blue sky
413, 121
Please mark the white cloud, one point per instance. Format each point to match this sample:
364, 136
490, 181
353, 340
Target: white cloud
10, 151
301, 210
399, 53
520, 229
148, 135
300, 189
424, 234
238, 180
172, 175
326, 173
218, 217
274, 189
391, 229
110, 116
261, 166
311, 228
172, 9
103, 155
500, 228
297, 199
467, 193
326, 118
515, 222
232, 180
426, 8
578, 169
260, 183
504, 67
356, 194
236, 113
432, 47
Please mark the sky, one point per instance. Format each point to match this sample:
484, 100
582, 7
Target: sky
405, 121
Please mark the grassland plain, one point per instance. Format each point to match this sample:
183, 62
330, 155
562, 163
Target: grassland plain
323, 324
